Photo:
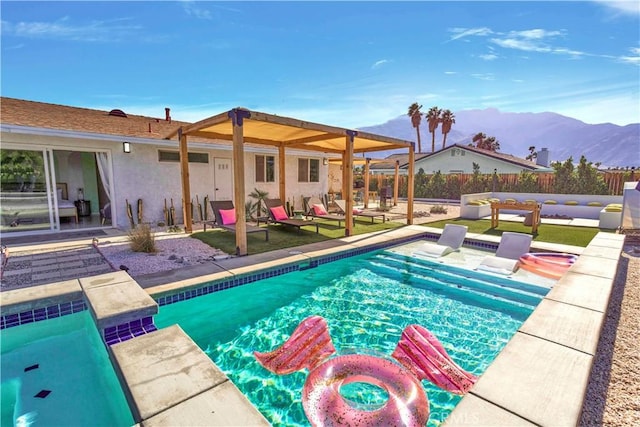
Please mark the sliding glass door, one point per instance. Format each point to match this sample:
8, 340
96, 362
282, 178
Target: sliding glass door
49, 190
26, 195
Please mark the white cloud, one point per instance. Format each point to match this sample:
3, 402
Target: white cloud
634, 58
379, 64
631, 7
485, 76
192, 9
460, 33
488, 56
64, 29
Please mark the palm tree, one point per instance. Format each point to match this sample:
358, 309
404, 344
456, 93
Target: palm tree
433, 117
492, 144
448, 119
485, 143
260, 196
478, 139
416, 118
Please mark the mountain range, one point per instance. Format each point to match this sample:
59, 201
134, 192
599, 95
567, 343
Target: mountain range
608, 144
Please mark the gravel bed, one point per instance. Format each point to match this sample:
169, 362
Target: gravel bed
613, 394
172, 252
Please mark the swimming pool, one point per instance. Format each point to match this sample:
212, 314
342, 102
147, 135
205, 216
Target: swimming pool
57, 372
367, 301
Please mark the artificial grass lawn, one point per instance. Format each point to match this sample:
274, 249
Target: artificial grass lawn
551, 233
281, 237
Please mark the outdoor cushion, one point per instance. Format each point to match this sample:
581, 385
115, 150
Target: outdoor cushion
279, 213
594, 204
613, 207
319, 209
228, 216
510, 201
571, 203
477, 203
550, 202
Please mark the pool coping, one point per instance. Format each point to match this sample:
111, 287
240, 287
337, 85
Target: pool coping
564, 328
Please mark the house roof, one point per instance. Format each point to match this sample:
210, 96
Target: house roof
53, 116
259, 128
403, 158
269, 129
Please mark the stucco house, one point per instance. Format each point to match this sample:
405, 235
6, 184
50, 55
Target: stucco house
459, 159
68, 168
102, 159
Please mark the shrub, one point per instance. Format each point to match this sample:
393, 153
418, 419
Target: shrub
438, 209
142, 239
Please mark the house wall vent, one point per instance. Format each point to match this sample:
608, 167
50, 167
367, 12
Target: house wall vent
118, 113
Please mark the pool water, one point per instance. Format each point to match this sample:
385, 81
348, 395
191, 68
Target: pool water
367, 301
57, 373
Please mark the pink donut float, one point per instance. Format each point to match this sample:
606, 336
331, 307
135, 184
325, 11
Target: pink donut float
407, 404
420, 356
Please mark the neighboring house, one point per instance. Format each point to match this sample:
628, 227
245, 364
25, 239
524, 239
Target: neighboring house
456, 159
104, 158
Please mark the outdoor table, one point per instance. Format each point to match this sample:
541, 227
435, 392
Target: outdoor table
534, 208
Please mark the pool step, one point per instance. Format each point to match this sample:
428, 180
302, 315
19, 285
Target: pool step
473, 274
480, 282
457, 283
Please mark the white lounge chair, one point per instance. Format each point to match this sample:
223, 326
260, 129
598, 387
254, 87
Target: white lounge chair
506, 260
450, 240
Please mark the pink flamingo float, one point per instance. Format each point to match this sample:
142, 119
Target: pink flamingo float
420, 356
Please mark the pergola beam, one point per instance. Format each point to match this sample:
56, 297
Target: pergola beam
186, 187
237, 117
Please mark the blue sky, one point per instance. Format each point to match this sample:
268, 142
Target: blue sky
347, 64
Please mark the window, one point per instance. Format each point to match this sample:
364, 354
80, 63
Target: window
265, 168
174, 156
308, 170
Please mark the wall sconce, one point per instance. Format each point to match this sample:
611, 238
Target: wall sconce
126, 147
325, 161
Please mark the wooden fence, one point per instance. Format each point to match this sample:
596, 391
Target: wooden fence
614, 179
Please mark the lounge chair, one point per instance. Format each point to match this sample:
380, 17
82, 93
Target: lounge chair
316, 209
278, 215
342, 205
507, 258
450, 240
225, 217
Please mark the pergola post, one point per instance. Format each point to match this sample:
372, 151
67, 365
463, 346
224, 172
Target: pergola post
410, 180
237, 116
366, 182
186, 189
396, 183
282, 188
348, 166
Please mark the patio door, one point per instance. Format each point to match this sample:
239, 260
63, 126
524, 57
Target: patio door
222, 179
45, 189
27, 199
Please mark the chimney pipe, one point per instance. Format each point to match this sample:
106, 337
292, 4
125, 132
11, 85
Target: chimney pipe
167, 114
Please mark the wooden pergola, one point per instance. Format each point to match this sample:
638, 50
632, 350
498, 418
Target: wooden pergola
240, 126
